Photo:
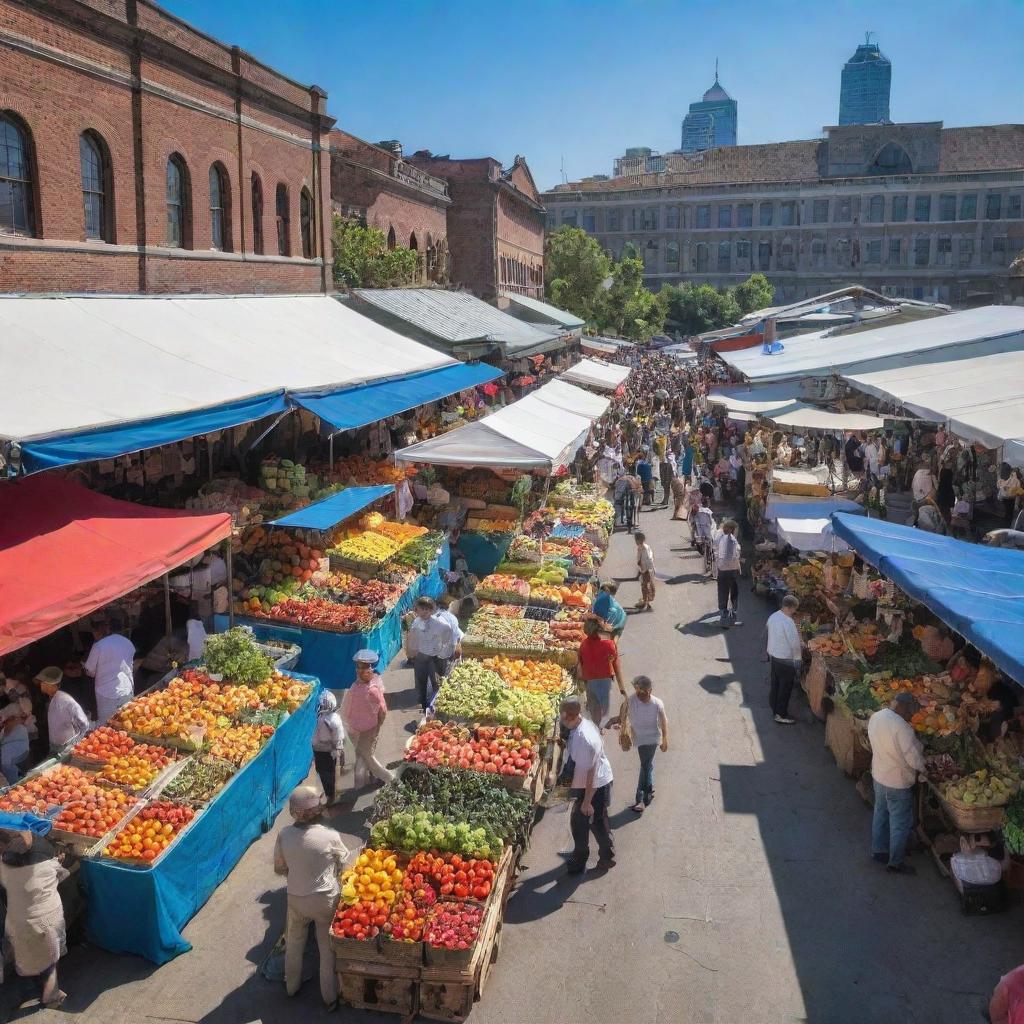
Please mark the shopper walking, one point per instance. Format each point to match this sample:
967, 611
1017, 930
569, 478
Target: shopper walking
312, 856
645, 571
328, 744
592, 788
599, 664
363, 711
784, 656
645, 471
65, 719
643, 715
897, 758
111, 663
727, 554
610, 614
431, 642
34, 926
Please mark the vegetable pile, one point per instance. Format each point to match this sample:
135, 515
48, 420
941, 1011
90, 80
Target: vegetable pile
476, 694
497, 751
432, 830
235, 656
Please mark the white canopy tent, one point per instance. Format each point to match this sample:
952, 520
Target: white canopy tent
755, 400
809, 535
821, 354
573, 399
593, 374
534, 433
810, 417
792, 506
77, 363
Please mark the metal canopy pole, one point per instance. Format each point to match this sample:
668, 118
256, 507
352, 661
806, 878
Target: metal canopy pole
167, 605
231, 579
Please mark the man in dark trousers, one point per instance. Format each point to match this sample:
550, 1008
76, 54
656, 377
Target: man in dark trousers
591, 786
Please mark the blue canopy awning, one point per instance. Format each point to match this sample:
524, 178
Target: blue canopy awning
127, 438
328, 512
355, 407
976, 590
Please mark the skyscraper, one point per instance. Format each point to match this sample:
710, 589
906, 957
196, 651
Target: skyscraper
712, 122
864, 93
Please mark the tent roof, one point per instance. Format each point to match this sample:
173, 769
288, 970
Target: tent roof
809, 534
820, 354
573, 399
537, 432
756, 400
181, 365
66, 551
595, 374
810, 417
976, 590
557, 316
596, 345
335, 508
457, 318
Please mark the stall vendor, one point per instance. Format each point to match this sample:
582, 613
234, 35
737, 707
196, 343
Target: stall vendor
988, 685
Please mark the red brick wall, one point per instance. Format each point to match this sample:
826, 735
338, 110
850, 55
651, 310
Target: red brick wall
521, 244
188, 104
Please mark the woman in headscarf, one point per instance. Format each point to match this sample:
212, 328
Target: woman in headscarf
34, 928
328, 744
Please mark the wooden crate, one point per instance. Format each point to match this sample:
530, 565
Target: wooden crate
380, 987
843, 738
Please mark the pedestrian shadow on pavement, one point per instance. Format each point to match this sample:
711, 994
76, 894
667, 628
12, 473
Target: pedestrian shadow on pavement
717, 685
538, 896
705, 626
686, 577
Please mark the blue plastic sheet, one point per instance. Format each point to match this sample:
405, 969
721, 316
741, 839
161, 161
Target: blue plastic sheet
26, 822
976, 590
329, 655
483, 552
322, 515
142, 911
110, 442
355, 407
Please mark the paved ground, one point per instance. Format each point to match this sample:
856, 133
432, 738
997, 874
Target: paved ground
744, 895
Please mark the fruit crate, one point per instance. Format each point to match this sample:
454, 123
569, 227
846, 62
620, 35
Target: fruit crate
407, 954
965, 818
379, 986
348, 950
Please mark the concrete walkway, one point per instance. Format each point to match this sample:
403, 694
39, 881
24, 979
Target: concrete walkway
744, 895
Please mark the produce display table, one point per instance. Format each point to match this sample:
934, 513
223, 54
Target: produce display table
142, 911
484, 552
328, 655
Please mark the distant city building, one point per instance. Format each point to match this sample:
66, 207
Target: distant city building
864, 93
638, 160
913, 210
710, 123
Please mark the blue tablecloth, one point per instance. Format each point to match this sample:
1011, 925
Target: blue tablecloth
329, 655
483, 552
133, 910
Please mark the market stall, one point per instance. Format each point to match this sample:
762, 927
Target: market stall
600, 376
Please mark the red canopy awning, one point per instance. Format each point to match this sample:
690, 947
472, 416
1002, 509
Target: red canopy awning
66, 551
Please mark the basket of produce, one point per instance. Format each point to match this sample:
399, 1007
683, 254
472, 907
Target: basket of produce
539, 614
369, 890
105, 745
451, 933
143, 839
524, 570
526, 674
420, 553
524, 549
504, 589
473, 693
238, 744
493, 633
199, 780
542, 596
364, 552
974, 803
319, 613
500, 751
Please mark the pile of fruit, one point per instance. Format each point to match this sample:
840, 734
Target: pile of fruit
565, 636
524, 674
150, 832
401, 532
240, 743
412, 831
374, 876
285, 475
858, 637
505, 634
980, 789
453, 925
449, 874
200, 780
280, 555
366, 549
175, 713
105, 745
132, 772
362, 470
474, 693
551, 575
524, 549
497, 751
501, 588
503, 611
319, 613
494, 525
805, 577
544, 596
419, 553
282, 693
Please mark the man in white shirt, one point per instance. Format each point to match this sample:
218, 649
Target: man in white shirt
871, 457
454, 649
897, 758
65, 719
645, 571
727, 553
923, 484
592, 785
432, 642
785, 657
111, 663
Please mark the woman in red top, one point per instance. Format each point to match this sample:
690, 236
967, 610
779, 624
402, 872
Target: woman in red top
599, 662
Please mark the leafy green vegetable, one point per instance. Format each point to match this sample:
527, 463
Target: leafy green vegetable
857, 696
1013, 827
235, 656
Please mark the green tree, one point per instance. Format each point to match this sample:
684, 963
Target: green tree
628, 309
362, 258
695, 308
754, 293
576, 268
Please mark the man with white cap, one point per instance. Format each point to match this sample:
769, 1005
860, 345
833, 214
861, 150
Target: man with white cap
363, 710
312, 856
65, 719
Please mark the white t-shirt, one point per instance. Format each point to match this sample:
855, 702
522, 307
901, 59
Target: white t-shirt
727, 551
922, 485
783, 637
110, 665
645, 558
896, 752
65, 719
643, 719
871, 457
587, 751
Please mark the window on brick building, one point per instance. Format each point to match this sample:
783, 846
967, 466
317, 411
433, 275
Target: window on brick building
672, 256
700, 258
787, 256
764, 255
589, 220
725, 256
743, 254
876, 209
968, 207
257, 214
966, 252
874, 251
650, 218
703, 216
16, 179
307, 227
895, 252
818, 252
947, 207
843, 252
842, 211
993, 206
95, 186
179, 227
922, 250
999, 251
725, 216
787, 214
1013, 207
819, 211
672, 218
220, 209
745, 215
284, 238
613, 220
899, 209
923, 208
767, 212
944, 250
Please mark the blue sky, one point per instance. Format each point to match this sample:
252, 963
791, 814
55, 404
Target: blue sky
578, 81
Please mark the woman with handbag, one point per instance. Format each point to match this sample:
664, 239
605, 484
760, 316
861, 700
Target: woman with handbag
642, 721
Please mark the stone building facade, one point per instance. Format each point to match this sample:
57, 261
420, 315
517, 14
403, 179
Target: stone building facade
139, 155
376, 185
495, 224
907, 209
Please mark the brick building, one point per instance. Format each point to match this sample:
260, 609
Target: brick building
139, 155
906, 209
374, 184
495, 224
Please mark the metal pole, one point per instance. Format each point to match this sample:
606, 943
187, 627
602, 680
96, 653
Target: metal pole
231, 580
330, 457
167, 604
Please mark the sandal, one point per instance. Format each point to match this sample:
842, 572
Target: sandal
57, 1001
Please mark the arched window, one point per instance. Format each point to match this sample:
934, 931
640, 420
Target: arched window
284, 245
891, 159
17, 209
179, 233
96, 181
391, 238
257, 214
431, 261
306, 223
700, 258
220, 209
413, 244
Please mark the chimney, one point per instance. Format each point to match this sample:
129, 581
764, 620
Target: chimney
392, 146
